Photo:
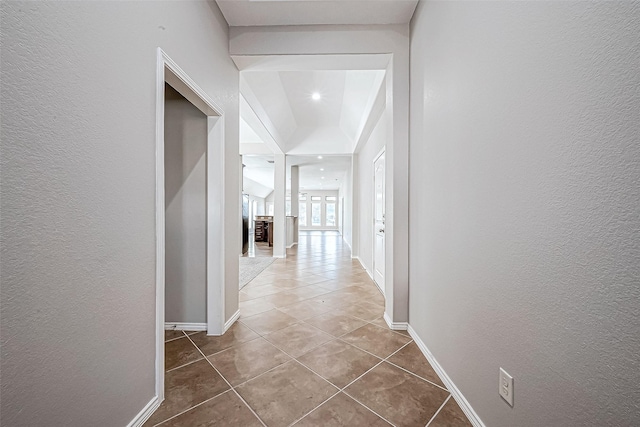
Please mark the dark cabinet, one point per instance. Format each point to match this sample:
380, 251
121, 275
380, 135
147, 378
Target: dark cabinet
262, 229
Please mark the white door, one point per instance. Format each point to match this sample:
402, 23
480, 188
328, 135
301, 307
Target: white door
378, 231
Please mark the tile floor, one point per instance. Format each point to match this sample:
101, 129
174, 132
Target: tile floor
310, 349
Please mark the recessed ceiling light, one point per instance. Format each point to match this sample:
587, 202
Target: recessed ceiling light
315, 96
319, 157
322, 169
323, 177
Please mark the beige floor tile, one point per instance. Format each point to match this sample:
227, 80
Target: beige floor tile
187, 386
380, 322
398, 396
224, 410
318, 289
261, 291
411, 358
268, 322
375, 340
237, 333
296, 340
179, 352
336, 324
283, 299
308, 292
172, 335
364, 310
338, 362
285, 394
248, 360
253, 307
450, 416
340, 411
305, 309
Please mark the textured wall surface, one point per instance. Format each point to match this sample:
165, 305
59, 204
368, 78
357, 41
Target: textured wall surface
185, 177
78, 198
525, 205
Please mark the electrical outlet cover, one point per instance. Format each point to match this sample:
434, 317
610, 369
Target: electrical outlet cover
505, 386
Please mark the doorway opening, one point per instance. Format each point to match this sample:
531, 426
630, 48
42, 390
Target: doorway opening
189, 209
185, 175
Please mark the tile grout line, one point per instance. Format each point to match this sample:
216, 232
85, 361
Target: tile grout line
377, 364
340, 390
229, 384
381, 360
417, 376
177, 338
362, 404
192, 407
343, 389
438, 411
339, 266
305, 415
182, 366
228, 348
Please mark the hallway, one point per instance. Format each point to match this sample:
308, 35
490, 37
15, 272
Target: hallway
311, 349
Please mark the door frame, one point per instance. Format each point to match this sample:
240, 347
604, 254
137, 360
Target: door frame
373, 227
167, 71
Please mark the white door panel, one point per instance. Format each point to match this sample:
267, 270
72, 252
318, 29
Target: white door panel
379, 218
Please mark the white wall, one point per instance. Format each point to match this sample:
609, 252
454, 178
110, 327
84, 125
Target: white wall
185, 159
261, 204
346, 196
252, 187
269, 200
366, 191
78, 198
524, 205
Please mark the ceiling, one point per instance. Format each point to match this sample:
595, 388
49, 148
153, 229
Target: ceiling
242, 13
312, 177
315, 174
300, 125
277, 109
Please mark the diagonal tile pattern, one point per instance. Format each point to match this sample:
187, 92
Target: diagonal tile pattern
310, 349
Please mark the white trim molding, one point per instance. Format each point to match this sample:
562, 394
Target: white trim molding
229, 323
146, 413
167, 71
396, 326
369, 274
455, 392
179, 326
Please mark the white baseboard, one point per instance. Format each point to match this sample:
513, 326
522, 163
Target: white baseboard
396, 326
363, 267
176, 326
292, 245
377, 286
146, 413
455, 392
231, 320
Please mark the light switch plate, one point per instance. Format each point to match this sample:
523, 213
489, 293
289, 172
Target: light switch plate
505, 386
